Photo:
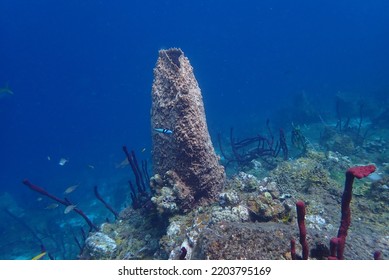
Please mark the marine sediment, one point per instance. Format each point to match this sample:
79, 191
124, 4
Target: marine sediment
185, 153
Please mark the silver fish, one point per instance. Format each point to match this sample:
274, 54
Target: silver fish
71, 189
52, 206
69, 208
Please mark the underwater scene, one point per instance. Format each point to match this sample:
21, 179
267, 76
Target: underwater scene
187, 130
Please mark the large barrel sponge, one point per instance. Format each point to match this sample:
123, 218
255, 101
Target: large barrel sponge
188, 153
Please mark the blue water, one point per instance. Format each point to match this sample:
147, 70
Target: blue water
81, 73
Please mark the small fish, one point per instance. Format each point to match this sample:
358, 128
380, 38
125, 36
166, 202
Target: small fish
52, 206
62, 161
69, 208
71, 189
91, 166
48, 158
374, 176
143, 150
40, 256
39, 199
123, 164
6, 90
164, 130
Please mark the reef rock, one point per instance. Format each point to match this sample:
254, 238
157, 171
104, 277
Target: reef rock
100, 246
181, 142
245, 241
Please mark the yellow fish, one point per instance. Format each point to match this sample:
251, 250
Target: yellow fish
71, 189
69, 208
38, 257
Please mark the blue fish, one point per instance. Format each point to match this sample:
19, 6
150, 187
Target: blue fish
164, 130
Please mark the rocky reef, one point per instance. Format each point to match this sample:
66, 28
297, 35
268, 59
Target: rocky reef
182, 147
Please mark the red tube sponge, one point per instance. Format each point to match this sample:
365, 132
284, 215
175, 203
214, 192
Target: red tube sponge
353, 172
300, 206
362, 171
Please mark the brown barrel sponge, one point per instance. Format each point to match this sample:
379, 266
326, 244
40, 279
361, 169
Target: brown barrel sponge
186, 147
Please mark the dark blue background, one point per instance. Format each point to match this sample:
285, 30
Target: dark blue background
81, 72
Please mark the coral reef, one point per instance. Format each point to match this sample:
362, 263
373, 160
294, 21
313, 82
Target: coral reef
186, 151
379, 193
189, 210
260, 201
302, 175
134, 235
338, 141
184, 230
170, 194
